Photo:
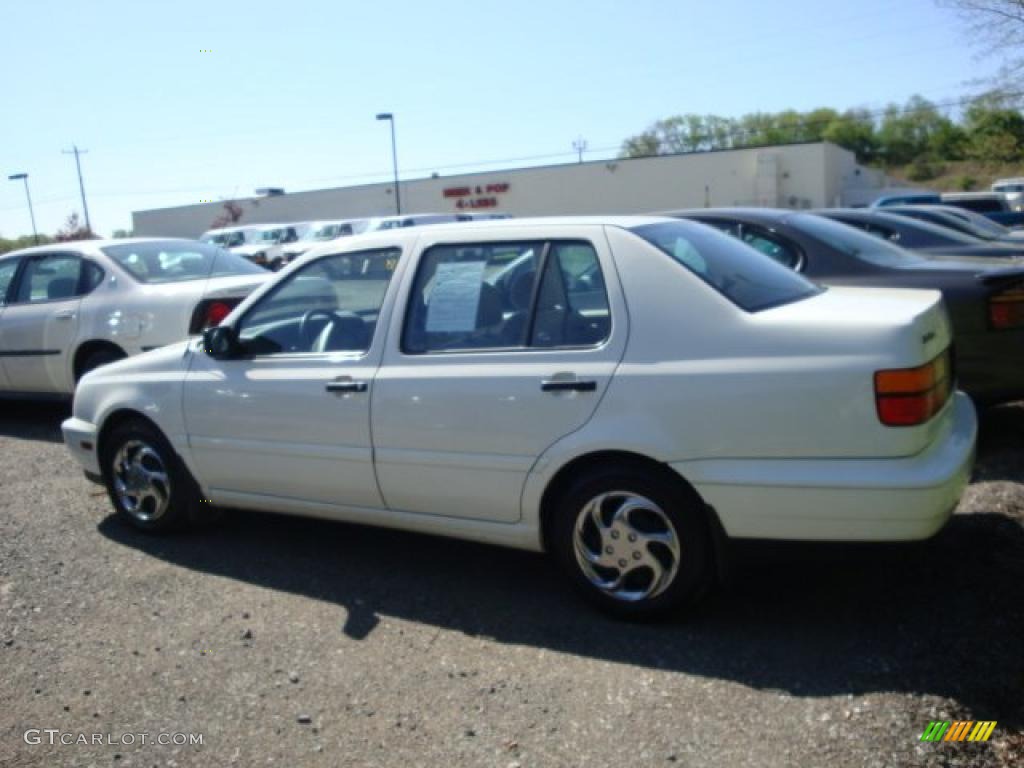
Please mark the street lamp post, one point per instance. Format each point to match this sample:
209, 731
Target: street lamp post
394, 158
31, 213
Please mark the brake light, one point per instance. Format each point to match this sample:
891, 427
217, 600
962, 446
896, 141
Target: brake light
906, 397
215, 313
1006, 309
210, 312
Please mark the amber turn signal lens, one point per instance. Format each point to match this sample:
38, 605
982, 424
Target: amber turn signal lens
906, 397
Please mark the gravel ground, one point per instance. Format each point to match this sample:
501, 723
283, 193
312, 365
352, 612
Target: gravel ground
302, 642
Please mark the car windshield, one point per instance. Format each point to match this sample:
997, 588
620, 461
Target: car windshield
748, 278
225, 239
852, 241
172, 261
978, 221
325, 232
946, 220
928, 234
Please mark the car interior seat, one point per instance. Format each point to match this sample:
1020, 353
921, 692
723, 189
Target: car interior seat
345, 331
61, 288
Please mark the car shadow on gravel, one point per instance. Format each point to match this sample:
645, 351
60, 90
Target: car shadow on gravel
33, 419
943, 617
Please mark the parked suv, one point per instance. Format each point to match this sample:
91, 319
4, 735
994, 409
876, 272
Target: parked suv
261, 244
1013, 189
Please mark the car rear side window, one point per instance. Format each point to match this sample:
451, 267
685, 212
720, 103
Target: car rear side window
748, 278
49, 278
174, 261
472, 296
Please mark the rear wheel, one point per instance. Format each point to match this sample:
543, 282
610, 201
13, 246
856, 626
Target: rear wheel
148, 484
96, 358
633, 541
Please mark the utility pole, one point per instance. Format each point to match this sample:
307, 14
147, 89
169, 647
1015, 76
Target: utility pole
81, 186
580, 145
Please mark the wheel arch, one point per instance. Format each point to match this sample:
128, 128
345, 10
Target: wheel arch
87, 348
116, 419
564, 476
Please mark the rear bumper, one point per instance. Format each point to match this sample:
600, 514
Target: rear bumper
900, 499
80, 438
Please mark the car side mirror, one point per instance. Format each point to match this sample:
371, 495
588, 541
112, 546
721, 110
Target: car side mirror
221, 342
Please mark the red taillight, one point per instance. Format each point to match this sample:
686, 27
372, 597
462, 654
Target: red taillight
215, 313
906, 397
1006, 309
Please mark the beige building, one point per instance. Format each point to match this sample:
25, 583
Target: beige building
789, 176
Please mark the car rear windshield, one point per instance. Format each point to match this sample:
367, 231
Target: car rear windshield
979, 204
747, 277
172, 261
852, 241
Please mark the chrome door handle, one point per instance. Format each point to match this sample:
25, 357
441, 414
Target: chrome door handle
64, 314
567, 385
346, 386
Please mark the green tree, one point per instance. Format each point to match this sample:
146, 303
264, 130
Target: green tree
22, 241
906, 132
854, 130
995, 130
73, 229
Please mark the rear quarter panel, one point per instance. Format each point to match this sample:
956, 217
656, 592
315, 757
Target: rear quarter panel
702, 379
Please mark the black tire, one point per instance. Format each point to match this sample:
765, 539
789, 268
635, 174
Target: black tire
169, 505
674, 505
97, 358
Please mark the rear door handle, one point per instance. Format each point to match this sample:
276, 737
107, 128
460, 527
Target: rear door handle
346, 386
64, 314
567, 385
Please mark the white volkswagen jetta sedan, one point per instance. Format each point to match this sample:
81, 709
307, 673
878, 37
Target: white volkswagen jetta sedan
67, 308
645, 390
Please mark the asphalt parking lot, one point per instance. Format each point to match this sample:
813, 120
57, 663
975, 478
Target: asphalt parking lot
297, 642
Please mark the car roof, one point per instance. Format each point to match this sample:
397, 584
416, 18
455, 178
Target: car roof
92, 246
991, 195
459, 230
759, 214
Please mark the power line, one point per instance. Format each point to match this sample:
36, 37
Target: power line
728, 137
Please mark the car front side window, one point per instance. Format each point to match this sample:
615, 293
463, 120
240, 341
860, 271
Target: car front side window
330, 305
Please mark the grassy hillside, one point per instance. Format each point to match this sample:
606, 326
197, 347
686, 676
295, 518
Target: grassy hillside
954, 176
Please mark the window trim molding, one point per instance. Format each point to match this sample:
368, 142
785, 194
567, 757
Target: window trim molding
277, 288
547, 245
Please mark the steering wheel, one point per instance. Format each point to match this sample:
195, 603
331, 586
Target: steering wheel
306, 326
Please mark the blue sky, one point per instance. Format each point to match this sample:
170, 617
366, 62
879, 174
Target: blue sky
287, 97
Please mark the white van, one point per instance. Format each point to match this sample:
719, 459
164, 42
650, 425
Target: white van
1013, 189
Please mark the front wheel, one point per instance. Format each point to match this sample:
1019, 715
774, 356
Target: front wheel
147, 483
633, 541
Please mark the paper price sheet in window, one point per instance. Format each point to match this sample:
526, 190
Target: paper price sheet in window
455, 297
